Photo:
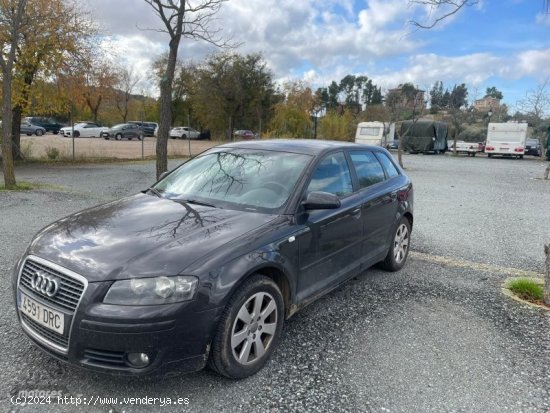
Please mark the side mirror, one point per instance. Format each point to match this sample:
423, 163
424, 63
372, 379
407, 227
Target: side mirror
321, 200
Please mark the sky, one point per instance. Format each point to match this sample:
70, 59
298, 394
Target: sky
502, 43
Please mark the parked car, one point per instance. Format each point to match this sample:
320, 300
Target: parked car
84, 130
147, 127
393, 144
30, 129
244, 134
184, 132
123, 131
208, 262
468, 148
532, 147
48, 124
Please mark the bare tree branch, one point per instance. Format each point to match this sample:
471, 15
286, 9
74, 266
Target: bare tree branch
451, 7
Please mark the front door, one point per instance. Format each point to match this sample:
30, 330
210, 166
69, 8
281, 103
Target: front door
330, 246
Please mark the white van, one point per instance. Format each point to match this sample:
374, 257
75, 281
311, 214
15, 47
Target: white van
375, 133
506, 139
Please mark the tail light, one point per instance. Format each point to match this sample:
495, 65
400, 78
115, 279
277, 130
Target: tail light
518, 150
489, 148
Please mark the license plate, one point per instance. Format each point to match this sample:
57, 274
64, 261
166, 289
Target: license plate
45, 316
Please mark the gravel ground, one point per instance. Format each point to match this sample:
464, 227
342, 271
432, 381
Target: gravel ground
436, 336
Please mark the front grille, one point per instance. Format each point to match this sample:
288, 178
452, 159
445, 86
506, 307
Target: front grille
70, 289
49, 335
105, 357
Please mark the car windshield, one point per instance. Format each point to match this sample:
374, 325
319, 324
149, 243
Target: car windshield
119, 126
241, 179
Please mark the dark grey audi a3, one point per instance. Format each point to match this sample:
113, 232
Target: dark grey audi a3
206, 265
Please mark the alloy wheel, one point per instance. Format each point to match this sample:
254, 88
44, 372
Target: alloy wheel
401, 243
254, 328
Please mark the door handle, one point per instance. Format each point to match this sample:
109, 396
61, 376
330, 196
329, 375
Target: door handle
356, 213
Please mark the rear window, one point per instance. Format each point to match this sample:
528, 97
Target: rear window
369, 170
388, 165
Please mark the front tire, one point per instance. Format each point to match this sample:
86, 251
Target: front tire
399, 248
118, 136
249, 329
76, 134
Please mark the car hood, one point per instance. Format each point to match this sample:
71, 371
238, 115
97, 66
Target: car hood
140, 236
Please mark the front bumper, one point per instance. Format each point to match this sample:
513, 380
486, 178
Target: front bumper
100, 336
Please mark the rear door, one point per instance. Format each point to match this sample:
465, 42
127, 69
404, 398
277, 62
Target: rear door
378, 201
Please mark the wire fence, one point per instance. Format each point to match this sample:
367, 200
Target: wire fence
56, 147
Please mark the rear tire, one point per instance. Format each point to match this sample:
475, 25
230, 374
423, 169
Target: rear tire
399, 248
39, 132
249, 329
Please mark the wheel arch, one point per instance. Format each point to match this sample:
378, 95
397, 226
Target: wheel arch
275, 273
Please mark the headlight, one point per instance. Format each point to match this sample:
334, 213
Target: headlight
152, 291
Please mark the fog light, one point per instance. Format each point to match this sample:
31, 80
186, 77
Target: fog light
138, 360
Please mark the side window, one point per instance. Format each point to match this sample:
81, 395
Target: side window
388, 165
368, 169
332, 175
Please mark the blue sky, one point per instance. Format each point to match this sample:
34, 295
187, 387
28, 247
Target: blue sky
502, 43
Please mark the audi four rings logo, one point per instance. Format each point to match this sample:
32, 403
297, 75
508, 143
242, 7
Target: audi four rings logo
45, 284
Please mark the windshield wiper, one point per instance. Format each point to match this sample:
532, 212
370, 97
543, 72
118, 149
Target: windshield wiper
194, 201
155, 191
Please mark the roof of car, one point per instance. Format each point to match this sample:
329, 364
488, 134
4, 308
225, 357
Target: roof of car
305, 146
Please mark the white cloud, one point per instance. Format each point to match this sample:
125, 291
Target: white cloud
473, 69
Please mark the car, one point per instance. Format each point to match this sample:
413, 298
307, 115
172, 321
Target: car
148, 127
207, 264
123, 131
184, 132
84, 130
244, 134
29, 129
48, 124
532, 147
393, 144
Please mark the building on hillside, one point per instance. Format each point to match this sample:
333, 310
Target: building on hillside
486, 104
412, 101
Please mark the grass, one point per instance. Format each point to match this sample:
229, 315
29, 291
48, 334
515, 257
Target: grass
527, 289
20, 186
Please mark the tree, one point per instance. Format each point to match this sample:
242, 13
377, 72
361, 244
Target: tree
231, 90
291, 117
446, 7
126, 82
12, 22
458, 97
187, 19
404, 104
493, 92
45, 43
536, 103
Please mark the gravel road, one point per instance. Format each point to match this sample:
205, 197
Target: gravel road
436, 336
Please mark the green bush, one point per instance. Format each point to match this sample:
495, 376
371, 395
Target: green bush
527, 289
